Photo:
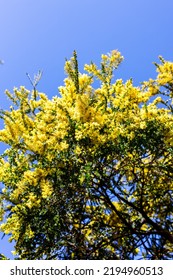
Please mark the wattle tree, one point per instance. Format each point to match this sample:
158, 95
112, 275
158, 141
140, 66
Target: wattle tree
89, 174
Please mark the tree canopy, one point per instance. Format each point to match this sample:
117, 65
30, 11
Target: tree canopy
89, 174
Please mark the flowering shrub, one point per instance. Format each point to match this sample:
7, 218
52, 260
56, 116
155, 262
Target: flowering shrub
88, 175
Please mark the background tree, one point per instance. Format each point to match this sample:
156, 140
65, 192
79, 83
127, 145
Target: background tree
88, 175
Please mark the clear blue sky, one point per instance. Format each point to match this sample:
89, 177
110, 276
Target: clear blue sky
40, 34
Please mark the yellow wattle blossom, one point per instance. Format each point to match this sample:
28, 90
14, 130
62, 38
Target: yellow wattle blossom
103, 154
165, 73
46, 188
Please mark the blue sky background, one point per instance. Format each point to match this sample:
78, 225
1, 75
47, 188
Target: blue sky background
40, 34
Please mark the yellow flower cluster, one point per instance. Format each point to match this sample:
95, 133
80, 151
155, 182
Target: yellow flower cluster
46, 188
165, 75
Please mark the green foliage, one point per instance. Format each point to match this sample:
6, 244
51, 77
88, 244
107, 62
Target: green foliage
3, 258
